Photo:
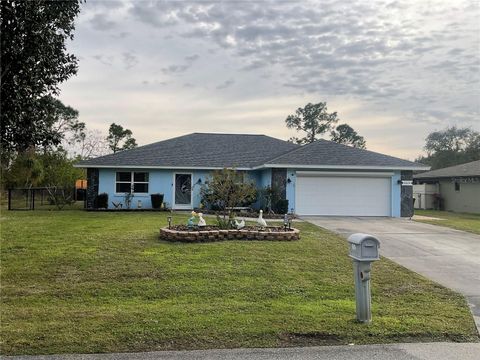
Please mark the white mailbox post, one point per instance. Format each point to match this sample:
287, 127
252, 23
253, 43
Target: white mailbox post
363, 250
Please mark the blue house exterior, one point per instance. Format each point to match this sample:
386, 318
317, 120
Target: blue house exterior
162, 182
322, 178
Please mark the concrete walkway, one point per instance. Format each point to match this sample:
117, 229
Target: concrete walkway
420, 351
449, 257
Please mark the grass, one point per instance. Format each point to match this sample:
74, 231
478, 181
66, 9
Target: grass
459, 221
83, 282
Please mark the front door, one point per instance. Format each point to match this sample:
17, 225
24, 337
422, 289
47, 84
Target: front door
183, 191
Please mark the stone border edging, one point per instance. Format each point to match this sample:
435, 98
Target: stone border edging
221, 235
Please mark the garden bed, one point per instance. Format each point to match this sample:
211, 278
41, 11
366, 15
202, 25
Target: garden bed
248, 214
212, 233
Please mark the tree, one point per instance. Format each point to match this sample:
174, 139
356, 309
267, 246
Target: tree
34, 63
344, 134
472, 150
63, 124
227, 190
116, 135
87, 144
52, 168
451, 146
313, 119
451, 139
26, 171
63, 120
59, 170
59, 177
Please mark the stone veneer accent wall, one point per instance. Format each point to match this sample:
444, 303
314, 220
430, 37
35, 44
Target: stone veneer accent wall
406, 205
92, 187
279, 181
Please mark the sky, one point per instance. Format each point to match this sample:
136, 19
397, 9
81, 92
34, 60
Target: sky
393, 70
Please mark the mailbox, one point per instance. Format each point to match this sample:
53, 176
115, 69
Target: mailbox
363, 250
364, 247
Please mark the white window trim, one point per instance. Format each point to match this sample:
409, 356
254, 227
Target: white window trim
182, 206
455, 186
132, 182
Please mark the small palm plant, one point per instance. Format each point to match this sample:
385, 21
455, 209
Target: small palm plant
128, 199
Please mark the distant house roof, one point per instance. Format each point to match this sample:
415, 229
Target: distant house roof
211, 151
471, 169
331, 154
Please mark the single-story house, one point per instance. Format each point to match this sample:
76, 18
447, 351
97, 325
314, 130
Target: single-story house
321, 178
455, 188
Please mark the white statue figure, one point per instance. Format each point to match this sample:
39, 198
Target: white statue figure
260, 221
201, 220
191, 221
240, 225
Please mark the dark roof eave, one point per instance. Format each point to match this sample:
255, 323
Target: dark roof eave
264, 166
351, 167
431, 178
187, 167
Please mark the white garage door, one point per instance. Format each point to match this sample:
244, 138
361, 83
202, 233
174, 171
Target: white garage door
343, 195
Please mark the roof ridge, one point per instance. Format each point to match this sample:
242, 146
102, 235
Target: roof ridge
360, 149
291, 151
459, 167
135, 148
452, 166
258, 147
242, 134
347, 147
370, 151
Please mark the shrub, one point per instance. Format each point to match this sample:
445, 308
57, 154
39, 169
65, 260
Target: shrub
271, 200
281, 206
227, 190
102, 201
225, 224
157, 200
60, 197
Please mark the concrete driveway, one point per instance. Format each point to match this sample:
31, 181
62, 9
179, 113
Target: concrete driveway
449, 257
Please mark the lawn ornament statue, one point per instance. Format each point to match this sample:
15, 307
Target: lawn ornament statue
261, 221
191, 220
201, 220
240, 225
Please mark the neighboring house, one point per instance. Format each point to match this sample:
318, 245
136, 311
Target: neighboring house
321, 178
458, 187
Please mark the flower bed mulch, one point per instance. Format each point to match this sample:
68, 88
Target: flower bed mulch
212, 233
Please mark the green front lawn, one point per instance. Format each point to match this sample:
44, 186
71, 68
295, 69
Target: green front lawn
459, 221
82, 282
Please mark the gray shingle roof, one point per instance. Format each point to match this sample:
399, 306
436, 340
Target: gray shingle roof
463, 170
204, 150
328, 153
199, 150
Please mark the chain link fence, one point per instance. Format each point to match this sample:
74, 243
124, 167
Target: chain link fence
45, 198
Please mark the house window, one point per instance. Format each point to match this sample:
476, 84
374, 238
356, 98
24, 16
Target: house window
457, 186
131, 181
240, 176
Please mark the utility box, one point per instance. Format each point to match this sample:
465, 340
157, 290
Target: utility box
364, 247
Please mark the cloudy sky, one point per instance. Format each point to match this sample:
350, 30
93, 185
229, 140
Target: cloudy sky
393, 70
